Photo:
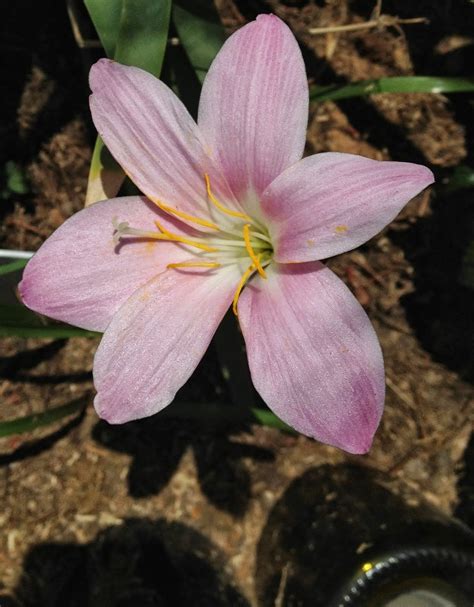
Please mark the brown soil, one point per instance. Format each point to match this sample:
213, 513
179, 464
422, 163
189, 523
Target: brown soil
199, 495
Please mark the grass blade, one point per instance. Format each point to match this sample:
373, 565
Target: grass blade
200, 31
37, 420
106, 19
396, 84
224, 415
143, 34
17, 320
13, 266
462, 178
139, 37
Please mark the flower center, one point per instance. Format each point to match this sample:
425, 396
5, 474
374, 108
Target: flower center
239, 240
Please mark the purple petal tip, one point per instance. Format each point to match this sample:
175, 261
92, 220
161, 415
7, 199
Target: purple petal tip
96, 72
427, 175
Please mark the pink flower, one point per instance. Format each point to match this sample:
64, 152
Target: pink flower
231, 215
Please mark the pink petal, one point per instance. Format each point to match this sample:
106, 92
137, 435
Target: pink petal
155, 342
330, 203
254, 105
82, 277
153, 137
313, 354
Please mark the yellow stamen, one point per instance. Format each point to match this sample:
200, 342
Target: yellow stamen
167, 235
219, 205
251, 252
194, 264
245, 276
183, 215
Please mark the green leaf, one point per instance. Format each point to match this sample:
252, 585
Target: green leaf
16, 178
209, 413
45, 418
462, 178
138, 38
200, 31
17, 320
105, 15
266, 418
13, 180
143, 34
13, 266
224, 415
105, 175
396, 84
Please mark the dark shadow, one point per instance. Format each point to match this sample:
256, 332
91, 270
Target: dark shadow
28, 359
35, 447
179, 74
362, 114
317, 68
433, 50
38, 34
379, 132
328, 523
13, 367
141, 563
440, 308
44, 380
446, 18
465, 508
249, 9
157, 445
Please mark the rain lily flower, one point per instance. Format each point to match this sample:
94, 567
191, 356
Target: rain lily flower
231, 216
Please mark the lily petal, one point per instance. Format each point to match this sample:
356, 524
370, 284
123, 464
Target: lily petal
156, 340
313, 354
330, 203
81, 276
153, 137
253, 110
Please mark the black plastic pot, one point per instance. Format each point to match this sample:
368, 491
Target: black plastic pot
339, 538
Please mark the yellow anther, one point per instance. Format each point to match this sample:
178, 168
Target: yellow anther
243, 281
251, 252
194, 264
183, 215
167, 235
220, 206
173, 211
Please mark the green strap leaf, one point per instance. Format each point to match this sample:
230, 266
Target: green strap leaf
37, 420
17, 320
396, 84
200, 31
106, 19
13, 266
462, 178
143, 34
138, 37
225, 414
105, 174
218, 414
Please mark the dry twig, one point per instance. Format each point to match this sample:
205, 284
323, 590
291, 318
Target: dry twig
282, 586
378, 21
